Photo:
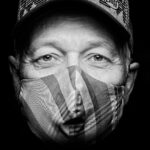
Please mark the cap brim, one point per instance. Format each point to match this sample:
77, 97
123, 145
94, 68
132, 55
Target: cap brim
55, 7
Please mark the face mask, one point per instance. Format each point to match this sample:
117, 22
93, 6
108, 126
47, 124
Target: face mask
71, 106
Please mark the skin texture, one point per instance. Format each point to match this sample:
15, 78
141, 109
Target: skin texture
65, 43
62, 42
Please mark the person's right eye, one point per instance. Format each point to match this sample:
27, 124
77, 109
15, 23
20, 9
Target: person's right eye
46, 60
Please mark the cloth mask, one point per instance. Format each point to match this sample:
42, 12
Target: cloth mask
71, 106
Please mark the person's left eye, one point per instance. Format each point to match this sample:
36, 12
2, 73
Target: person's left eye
98, 60
97, 57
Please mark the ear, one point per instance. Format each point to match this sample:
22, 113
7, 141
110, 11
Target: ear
14, 69
133, 69
13, 64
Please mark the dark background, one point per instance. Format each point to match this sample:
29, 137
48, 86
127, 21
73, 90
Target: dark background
133, 129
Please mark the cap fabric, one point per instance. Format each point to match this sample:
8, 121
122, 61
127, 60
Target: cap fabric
117, 10
114, 14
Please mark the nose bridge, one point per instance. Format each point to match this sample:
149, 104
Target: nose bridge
73, 58
75, 75
76, 107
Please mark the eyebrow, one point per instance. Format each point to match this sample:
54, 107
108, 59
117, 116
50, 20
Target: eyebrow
91, 45
97, 44
53, 44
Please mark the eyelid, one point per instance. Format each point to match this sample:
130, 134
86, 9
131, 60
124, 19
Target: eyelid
51, 54
93, 54
45, 51
37, 60
103, 51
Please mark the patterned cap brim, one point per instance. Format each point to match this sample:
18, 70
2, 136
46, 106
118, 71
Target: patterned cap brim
55, 7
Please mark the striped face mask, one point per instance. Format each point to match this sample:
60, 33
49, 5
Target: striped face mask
71, 106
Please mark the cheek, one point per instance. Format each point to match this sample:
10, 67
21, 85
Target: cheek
114, 75
29, 71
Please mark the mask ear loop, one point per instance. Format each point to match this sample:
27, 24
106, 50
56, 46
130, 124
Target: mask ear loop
126, 78
123, 99
118, 104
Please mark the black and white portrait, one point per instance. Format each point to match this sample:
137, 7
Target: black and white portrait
75, 74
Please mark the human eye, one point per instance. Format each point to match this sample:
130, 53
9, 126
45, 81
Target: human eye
98, 60
47, 60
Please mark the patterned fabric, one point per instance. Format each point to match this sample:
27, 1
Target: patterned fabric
118, 9
71, 105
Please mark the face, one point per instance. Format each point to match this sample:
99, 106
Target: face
56, 46
67, 43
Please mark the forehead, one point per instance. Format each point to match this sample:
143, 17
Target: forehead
84, 23
78, 21
77, 31
93, 23
77, 35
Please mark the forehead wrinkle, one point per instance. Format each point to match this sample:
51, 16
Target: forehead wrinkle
90, 45
52, 44
107, 43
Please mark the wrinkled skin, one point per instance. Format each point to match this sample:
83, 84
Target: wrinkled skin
65, 43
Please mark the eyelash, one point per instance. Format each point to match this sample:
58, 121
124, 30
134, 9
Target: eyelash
55, 60
101, 57
44, 57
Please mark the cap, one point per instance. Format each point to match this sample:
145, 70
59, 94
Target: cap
117, 11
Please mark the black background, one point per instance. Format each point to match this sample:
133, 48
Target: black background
133, 129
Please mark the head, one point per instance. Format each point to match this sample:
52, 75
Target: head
84, 48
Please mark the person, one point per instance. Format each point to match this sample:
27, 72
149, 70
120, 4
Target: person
72, 67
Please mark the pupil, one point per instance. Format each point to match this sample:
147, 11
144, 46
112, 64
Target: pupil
98, 57
47, 57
